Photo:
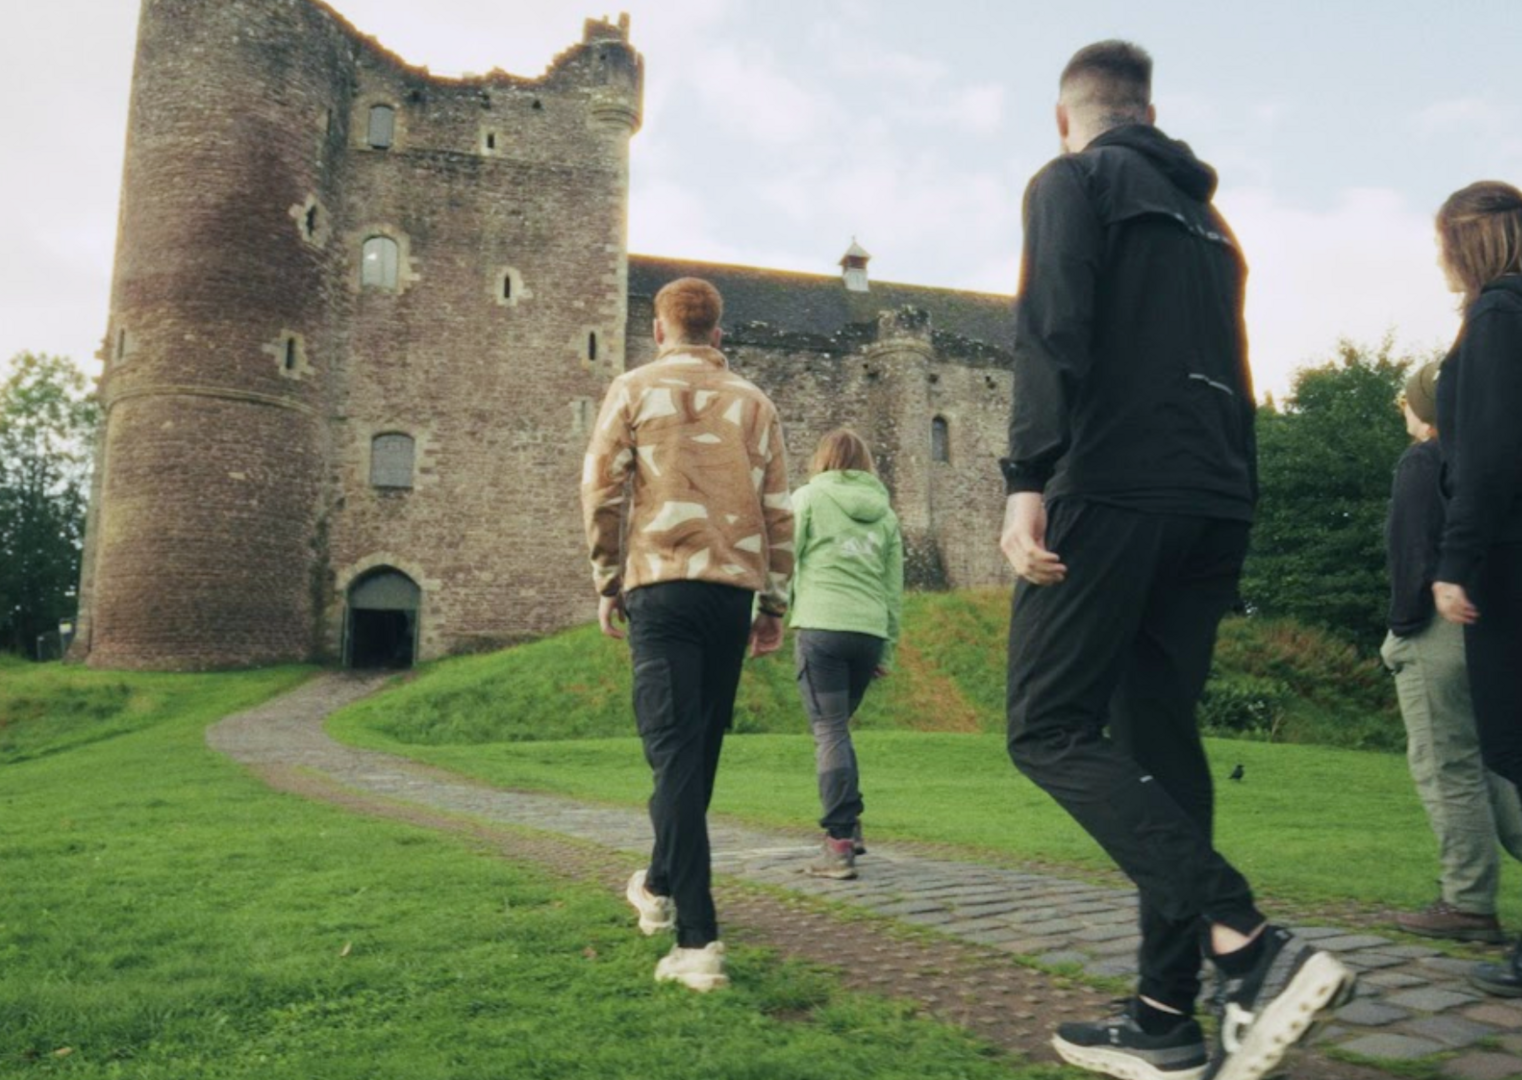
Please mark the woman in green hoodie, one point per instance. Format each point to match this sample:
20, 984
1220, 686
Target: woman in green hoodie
848, 586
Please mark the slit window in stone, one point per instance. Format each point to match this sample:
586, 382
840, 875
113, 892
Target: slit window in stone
940, 439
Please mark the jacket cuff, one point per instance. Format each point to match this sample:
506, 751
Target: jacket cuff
1457, 568
1020, 477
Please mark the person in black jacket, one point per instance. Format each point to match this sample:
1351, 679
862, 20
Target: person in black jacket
1470, 808
1131, 478
1479, 398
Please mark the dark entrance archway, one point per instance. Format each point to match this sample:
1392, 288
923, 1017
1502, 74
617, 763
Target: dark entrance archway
381, 623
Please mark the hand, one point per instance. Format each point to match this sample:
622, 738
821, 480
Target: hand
1453, 603
610, 608
1024, 540
765, 634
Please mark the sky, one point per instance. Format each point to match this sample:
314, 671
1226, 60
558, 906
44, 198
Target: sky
775, 131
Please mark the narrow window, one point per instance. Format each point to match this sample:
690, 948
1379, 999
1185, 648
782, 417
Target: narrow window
382, 127
391, 457
378, 263
940, 440
491, 140
507, 286
121, 345
592, 346
290, 354
311, 221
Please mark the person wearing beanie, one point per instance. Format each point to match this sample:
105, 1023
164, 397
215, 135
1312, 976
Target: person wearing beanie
1472, 810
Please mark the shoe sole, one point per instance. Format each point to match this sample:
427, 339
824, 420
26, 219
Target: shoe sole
1119, 1064
1320, 986
1485, 937
701, 983
647, 926
834, 875
1495, 989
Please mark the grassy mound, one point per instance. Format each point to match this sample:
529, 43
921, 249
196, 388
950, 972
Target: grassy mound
1273, 680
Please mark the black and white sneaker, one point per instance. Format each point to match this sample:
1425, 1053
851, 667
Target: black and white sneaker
1289, 992
1119, 1047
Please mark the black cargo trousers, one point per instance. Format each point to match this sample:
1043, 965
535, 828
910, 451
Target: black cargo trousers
1105, 671
688, 642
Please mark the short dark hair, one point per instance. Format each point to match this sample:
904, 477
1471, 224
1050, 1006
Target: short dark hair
1111, 79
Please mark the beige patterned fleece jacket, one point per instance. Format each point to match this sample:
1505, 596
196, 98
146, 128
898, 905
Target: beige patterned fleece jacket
688, 455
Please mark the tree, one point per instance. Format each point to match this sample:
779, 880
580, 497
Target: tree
1325, 464
47, 429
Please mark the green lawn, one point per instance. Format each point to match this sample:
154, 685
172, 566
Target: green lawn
163, 915
1313, 823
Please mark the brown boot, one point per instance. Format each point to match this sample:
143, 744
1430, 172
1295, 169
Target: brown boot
1443, 920
836, 859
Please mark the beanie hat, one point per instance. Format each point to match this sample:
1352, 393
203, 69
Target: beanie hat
1421, 391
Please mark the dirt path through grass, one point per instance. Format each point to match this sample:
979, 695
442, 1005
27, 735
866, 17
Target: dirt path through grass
918, 925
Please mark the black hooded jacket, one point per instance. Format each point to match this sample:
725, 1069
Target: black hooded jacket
1131, 381
1479, 422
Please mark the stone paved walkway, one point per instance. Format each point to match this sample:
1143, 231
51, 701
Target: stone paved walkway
1413, 1001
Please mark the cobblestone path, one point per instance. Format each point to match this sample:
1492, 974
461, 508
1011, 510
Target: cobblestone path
1413, 1001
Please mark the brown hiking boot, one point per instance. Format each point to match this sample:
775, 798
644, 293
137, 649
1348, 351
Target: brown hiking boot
1443, 920
836, 859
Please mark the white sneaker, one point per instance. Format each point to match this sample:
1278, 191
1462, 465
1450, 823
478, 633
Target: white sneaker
697, 969
656, 913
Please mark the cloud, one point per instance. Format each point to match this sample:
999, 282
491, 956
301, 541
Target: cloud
747, 93
1360, 269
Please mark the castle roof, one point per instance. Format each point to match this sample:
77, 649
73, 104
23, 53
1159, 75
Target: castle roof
818, 304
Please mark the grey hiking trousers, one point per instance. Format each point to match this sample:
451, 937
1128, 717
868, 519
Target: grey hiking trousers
834, 670
1471, 808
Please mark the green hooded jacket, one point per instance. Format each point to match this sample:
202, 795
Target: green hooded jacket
849, 573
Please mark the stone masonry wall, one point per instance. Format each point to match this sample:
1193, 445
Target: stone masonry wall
201, 538
890, 383
490, 181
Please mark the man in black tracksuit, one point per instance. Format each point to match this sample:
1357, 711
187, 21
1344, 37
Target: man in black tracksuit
1131, 480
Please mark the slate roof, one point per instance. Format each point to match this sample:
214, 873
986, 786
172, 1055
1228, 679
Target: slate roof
820, 305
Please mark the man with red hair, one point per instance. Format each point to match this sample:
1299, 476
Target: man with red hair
686, 505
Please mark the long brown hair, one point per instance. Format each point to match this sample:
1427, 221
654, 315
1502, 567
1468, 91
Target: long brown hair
841, 449
1480, 230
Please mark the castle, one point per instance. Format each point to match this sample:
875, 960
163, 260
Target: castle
362, 318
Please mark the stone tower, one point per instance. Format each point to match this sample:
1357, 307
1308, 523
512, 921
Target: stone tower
360, 319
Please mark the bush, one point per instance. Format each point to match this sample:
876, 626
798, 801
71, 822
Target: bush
1238, 705
1320, 688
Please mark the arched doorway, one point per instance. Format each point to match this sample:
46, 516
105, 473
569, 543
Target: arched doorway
381, 622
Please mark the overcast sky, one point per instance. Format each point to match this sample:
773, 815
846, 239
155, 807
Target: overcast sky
776, 130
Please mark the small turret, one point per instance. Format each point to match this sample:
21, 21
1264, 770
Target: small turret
853, 267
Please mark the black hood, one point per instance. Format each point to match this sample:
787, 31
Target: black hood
1510, 283
1172, 158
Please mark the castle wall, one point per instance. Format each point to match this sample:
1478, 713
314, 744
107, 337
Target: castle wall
256, 356
211, 455
507, 197
890, 382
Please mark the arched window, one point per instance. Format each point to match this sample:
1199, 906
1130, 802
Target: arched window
391, 457
592, 346
382, 128
940, 439
378, 262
